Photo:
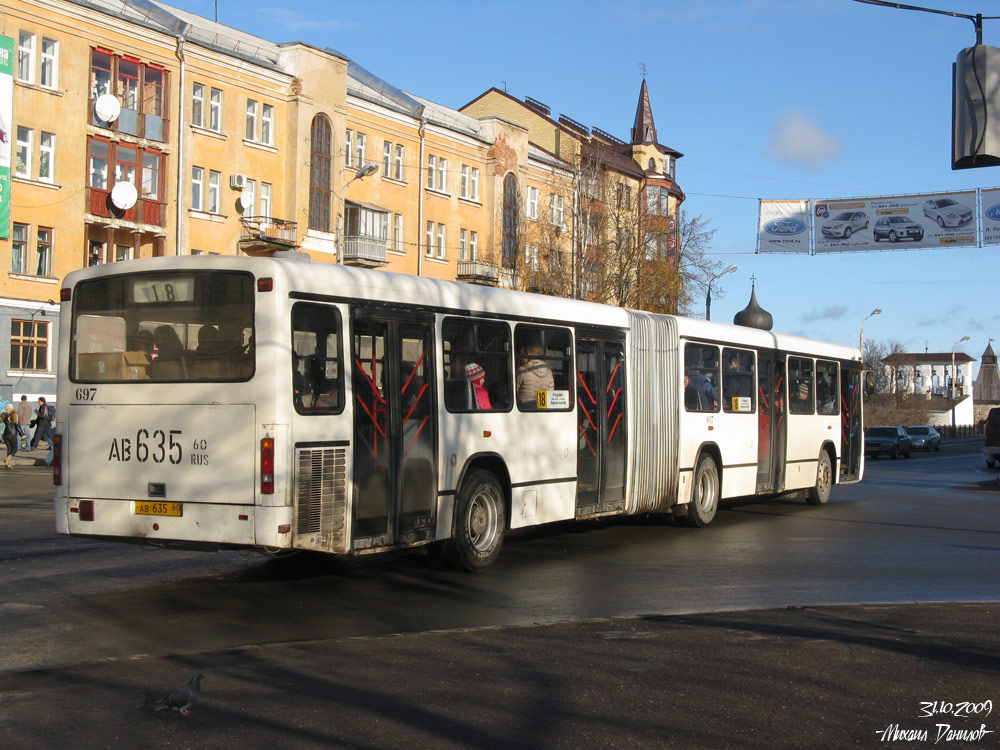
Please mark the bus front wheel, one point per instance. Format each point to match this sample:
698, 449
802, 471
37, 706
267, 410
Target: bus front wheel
480, 522
820, 494
705, 494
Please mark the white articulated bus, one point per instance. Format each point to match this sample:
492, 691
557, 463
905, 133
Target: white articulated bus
281, 404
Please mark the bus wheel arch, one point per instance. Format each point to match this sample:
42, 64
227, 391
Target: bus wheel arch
481, 515
706, 489
819, 493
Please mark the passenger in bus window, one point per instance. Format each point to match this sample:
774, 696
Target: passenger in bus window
533, 375
476, 375
801, 403
699, 393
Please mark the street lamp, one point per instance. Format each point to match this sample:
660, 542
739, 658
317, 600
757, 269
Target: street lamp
708, 293
363, 171
861, 336
954, 382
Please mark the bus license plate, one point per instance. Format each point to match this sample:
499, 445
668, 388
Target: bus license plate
150, 508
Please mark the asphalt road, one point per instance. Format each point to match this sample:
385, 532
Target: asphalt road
93, 619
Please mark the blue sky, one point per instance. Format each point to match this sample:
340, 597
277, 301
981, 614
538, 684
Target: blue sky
737, 86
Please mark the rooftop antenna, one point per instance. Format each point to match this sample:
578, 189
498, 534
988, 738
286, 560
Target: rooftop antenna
643, 69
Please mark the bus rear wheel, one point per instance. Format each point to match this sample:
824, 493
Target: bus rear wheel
705, 494
820, 494
480, 522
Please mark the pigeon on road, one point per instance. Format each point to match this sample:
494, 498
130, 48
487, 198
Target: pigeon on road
181, 699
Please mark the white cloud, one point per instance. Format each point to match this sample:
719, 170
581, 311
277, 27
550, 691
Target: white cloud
832, 312
798, 139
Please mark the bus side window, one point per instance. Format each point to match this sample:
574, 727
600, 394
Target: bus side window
738, 381
701, 377
476, 365
800, 385
544, 361
827, 387
317, 386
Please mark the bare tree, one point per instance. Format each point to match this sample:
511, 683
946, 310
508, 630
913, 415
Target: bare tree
695, 268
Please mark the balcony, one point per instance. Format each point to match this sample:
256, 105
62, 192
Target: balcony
509, 278
145, 211
134, 123
262, 235
478, 272
360, 250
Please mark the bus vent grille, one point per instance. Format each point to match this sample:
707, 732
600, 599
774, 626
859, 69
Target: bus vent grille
321, 496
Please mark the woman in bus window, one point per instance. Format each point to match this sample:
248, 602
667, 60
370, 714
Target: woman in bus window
533, 375
477, 376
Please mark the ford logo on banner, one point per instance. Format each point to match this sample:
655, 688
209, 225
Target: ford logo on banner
993, 212
785, 226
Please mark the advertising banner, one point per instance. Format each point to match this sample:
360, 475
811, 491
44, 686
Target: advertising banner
6, 125
901, 222
783, 227
991, 216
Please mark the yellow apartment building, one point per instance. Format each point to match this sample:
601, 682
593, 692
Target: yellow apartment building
141, 130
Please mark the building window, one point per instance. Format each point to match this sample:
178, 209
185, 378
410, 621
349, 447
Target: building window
657, 201
320, 173
214, 182
29, 344
431, 170
473, 245
532, 203
251, 190
267, 124
463, 242
19, 249
46, 157
215, 111
26, 57
474, 185
531, 257
100, 73
556, 210
397, 233
349, 148
100, 159
198, 105
50, 63
386, 159
398, 174
442, 175
126, 163
197, 187
429, 239
151, 168
22, 154
138, 86
265, 199
359, 149
251, 126
441, 241
463, 185
509, 241
43, 252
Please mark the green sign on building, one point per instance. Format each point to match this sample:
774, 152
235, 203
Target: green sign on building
6, 126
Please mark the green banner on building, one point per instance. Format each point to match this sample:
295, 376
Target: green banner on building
6, 126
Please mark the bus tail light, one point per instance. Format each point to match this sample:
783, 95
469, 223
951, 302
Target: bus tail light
65, 294
86, 510
267, 466
57, 459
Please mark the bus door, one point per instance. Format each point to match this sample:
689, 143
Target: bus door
771, 423
851, 438
601, 424
395, 428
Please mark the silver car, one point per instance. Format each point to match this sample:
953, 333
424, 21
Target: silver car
846, 223
946, 212
896, 227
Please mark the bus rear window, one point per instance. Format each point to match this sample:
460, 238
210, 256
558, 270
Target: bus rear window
185, 326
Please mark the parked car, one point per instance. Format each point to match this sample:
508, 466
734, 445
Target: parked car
991, 437
897, 227
924, 437
844, 224
892, 441
946, 212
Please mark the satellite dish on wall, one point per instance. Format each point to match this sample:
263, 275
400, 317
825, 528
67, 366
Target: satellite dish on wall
107, 107
124, 196
246, 200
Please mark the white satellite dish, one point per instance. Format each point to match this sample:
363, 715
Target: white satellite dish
124, 196
246, 200
107, 107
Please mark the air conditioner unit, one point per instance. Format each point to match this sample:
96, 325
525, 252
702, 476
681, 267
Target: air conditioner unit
237, 181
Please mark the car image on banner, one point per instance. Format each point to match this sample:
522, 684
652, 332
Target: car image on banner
947, 212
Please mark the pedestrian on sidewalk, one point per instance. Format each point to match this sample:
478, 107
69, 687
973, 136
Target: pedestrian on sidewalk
11, 434
44, 417
23, 420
